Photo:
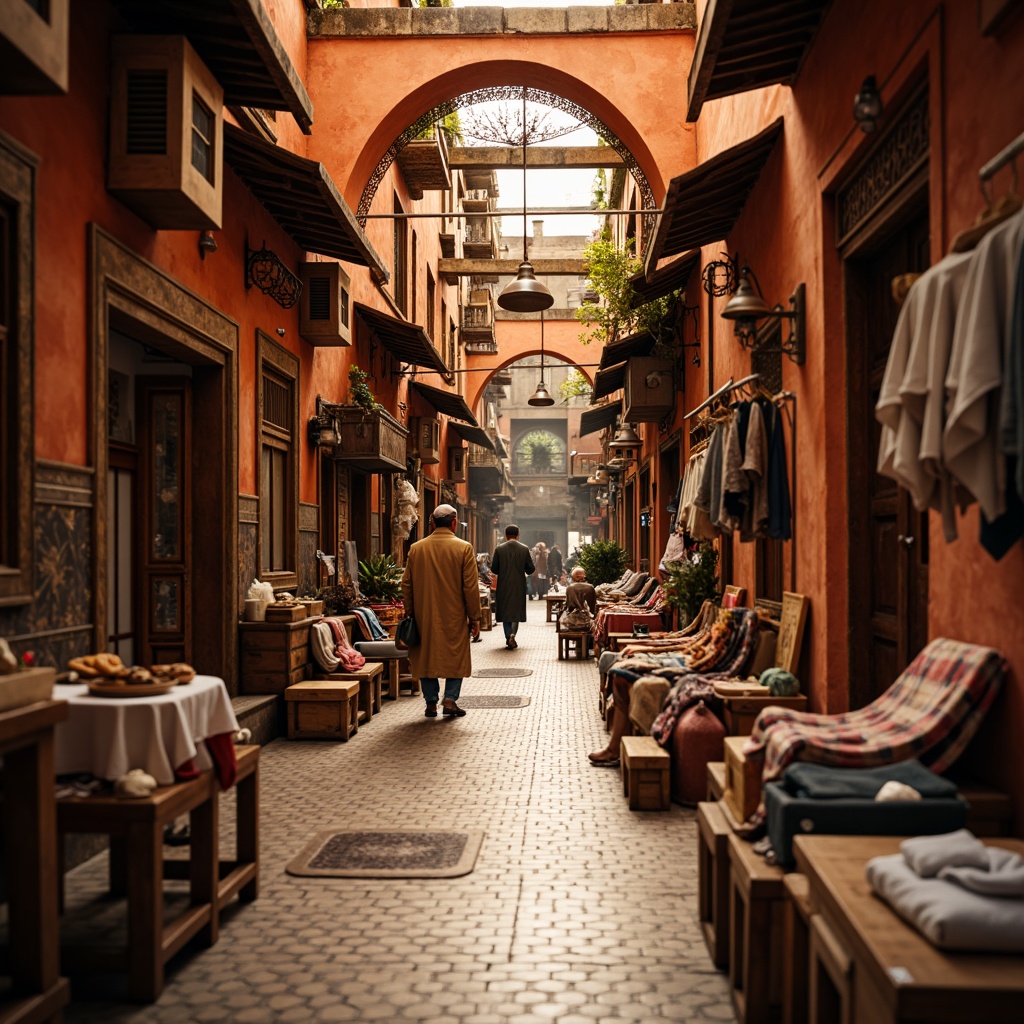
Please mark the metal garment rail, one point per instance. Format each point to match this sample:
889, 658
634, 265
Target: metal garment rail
1005, 156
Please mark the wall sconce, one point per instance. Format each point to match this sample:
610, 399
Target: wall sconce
323, 427
264, 269
867, 105
747, 307
207, 243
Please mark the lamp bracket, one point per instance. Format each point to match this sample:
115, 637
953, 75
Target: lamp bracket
265, 270
795, 345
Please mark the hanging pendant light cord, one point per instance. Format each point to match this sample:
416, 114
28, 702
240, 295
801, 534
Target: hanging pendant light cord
542, 346
524, 173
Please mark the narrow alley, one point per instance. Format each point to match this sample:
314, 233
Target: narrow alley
578, 910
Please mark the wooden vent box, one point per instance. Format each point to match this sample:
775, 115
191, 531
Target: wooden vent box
425, 439
457, 465
324, 308
166, 133
33, 48
649, 390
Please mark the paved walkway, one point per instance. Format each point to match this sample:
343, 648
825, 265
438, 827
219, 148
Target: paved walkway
578, 911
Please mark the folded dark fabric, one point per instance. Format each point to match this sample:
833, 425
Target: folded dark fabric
824, 782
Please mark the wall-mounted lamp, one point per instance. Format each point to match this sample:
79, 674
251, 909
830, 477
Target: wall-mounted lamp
541, 396
867, 105
323, 429
207, 243
264, 269
747, 307
625, 437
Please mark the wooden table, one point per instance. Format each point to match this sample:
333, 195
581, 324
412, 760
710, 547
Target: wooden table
554, 605
30, 839
879, 970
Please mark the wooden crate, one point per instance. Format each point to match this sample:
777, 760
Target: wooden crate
323, 709
742, 779
645, 774
274, 655
716, 780
713, 833
742, 712
286, 613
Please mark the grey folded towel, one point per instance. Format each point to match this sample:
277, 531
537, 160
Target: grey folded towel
945, 914
928, 855
1003, 877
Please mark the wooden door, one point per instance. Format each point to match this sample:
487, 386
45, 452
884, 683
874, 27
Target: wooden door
888, 555
164, 552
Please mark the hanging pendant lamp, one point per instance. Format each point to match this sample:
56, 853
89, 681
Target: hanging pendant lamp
525, 294
541, 396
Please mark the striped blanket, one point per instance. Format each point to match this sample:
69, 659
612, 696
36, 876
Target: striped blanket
930, 712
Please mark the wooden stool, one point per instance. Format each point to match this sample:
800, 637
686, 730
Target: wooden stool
713, 881
323, 709
742, 779
369, 678
137, 870
645, 774
573, 643
756, 898
796, 923
716, 780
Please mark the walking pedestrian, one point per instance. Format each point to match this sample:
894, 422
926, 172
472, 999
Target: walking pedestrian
555, 567
540, 578
441, 592
512, 563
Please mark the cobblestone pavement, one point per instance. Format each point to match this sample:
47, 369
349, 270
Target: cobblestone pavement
578, 910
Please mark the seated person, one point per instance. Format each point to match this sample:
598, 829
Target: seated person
580, 604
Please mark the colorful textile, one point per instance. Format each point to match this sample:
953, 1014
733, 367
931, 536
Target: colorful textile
930, 712
348, 657
369, 625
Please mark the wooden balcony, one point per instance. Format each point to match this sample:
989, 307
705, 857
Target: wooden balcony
478, 241
486, 473
424, 165
478, 328
373, 441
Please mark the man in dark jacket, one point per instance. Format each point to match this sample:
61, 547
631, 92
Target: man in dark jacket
555, 564
512, 563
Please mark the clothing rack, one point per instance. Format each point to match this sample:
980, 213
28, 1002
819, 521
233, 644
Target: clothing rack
729, 385
1005, 156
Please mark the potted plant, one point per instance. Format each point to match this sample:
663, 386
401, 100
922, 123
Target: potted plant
691, 583
380, 583
359, 392
604, 561
538, 450
338, 598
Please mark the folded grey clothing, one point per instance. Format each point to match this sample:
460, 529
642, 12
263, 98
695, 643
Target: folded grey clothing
928, 855
1004, 876
607, 659
945, 914
824, 782
381, 649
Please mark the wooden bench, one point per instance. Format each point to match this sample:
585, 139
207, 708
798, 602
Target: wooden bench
742, 779
138, 869
713, 833
716, 780
574, 644
756, 952
796, 932
645, 774
323, 709
370, 679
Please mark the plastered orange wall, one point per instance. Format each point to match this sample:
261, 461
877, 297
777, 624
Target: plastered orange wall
787, 235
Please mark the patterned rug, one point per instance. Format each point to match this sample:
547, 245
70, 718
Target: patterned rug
492, 700
395, 854
502, 673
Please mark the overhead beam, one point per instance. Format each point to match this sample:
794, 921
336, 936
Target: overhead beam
482, 268
484, 158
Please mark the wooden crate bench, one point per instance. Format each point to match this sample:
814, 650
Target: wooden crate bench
274, 654
370, 679
716, 780
573, 643
713, 833
796, 932
756, 951
138, 869
645, 774
323, 709
742, 712
742, 779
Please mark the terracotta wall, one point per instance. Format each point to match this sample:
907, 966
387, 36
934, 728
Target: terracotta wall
786, 234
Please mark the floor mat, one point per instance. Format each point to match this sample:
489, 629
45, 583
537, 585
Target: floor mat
502, 673
394, 854
492, 700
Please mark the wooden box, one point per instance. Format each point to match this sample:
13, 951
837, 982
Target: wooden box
716, 780
742, 779
645, 774
324, 306
34, 48
649, 392
742, 712
313, 608
286, 613
323, 709
27, 687
713, 833
274, 655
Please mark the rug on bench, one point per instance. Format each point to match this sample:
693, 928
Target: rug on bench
388, 854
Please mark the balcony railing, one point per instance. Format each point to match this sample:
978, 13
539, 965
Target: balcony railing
478, 328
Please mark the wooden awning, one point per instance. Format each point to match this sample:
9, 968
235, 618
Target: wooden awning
447, 402
599, 417
608, 381
475, 435
658, 283
237, 42
703, 205
300, 195
405, 341
748, 44
624, 348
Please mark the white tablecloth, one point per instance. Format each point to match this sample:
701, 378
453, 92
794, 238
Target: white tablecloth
109, 735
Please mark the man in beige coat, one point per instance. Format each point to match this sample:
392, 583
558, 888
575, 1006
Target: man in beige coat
441, 592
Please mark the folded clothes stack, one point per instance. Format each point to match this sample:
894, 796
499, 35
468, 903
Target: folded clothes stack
958, 892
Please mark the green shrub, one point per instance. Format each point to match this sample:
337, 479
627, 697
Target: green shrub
604, 561
690, 584
380, 579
